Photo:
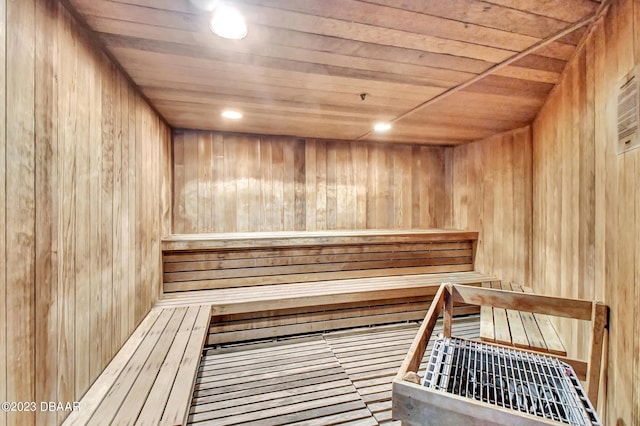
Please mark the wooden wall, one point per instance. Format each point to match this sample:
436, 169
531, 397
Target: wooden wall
233, 183
84, 199
492, 194
586, 221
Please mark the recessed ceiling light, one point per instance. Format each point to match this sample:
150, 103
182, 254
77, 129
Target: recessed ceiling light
381, 127
227, 22
233, 115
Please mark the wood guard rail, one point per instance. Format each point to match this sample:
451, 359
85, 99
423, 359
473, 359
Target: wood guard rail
448, 293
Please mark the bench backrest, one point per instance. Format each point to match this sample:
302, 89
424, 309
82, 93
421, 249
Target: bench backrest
240, 260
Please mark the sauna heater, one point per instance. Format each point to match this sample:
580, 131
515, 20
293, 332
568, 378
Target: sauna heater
534, 384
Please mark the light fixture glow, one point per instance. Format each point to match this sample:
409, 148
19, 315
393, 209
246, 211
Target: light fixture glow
227, 22
233, 115
381, 127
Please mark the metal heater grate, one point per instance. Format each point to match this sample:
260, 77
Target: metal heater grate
518, 380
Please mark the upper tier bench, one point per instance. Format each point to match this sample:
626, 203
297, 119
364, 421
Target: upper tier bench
263, 285
216, 261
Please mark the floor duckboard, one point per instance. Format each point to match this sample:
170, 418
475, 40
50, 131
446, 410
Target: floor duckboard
339, 378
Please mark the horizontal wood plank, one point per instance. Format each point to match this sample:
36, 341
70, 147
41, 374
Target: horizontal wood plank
215, 261
150, 381
310, 55
255, 240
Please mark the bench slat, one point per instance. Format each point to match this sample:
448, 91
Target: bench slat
259, 253
313, 268
548, 331
175, 413
311, 277
156, 368
209, 261
254, 240
486, 321
536, 340
535, 329
97, 392
550, 335
500, 321
516, 327
247, 299
113, 400
305, 259
150, 413
149, 371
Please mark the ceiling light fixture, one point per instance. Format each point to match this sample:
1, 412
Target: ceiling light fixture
227, 22
381, 127
233, 115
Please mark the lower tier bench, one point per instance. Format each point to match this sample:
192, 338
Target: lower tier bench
268, 284
525, 330
150, 380
249, 313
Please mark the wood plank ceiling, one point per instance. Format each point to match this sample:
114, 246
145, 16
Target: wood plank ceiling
303, 64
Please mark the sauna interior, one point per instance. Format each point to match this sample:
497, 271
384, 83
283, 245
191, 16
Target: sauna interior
164, 264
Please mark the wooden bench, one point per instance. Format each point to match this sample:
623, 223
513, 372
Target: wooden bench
519, 329
264, 285
150, 380
285, 309
216, 261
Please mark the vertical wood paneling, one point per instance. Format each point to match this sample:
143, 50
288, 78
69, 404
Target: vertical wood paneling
634, 294
586, 226
204, 156
20, 205
218, 183
492, 194
126, 295
178, 195
82, 213
277, 185
95, 161
106, 213
46, 120
444, 188
300, 178
269, 183
3, 184
359, 153
287, 183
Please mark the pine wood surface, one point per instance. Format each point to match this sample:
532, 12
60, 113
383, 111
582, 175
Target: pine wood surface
492, 181
283, 296
246, 183
151, 378
302, 65
585, 203
335, 378
81, 216
217, 261
520, 329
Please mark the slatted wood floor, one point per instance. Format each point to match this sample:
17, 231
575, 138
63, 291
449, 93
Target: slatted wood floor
340, 378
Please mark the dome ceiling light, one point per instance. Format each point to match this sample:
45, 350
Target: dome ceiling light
228, 22
230, 114
381, 127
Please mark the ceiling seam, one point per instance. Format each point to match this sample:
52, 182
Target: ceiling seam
490, 71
